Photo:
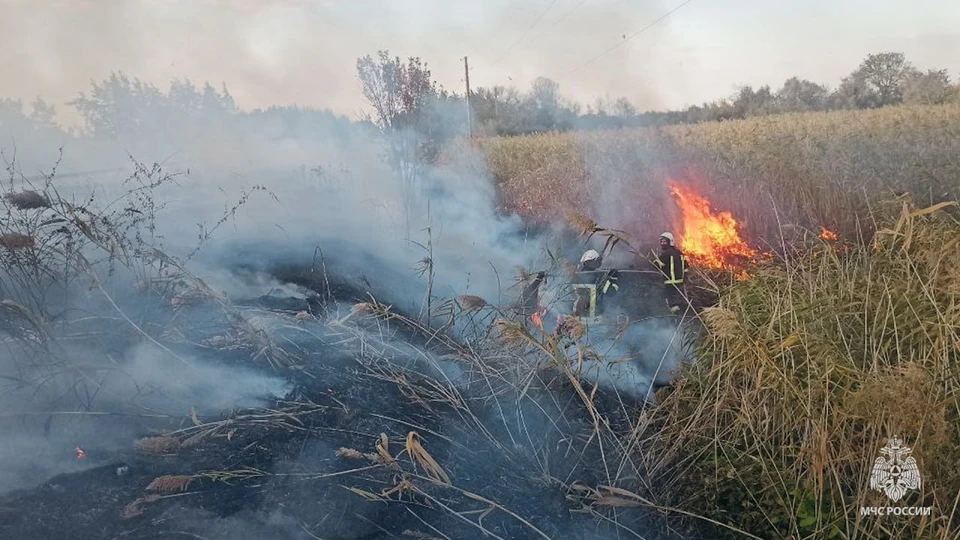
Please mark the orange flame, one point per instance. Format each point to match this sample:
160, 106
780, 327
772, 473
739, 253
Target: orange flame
537, 318
80, 453
827, 234
709, 240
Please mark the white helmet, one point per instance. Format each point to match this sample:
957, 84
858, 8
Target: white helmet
589, 255
668, 236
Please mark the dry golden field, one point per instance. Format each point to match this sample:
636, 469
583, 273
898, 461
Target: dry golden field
809, 365
811, 169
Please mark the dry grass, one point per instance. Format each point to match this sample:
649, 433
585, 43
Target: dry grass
809, 366
423, 458
806, 369
18, 322
815, 168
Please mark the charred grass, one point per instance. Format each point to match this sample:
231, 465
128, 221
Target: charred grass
392, 427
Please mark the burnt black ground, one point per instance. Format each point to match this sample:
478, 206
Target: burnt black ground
293, 500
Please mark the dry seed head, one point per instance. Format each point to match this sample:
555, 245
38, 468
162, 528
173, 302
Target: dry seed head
27, 200
472, 303
363, 307
16, 240
349, 453
158, 445
572, 327
512, 333
581, 223
170, 483
722, 322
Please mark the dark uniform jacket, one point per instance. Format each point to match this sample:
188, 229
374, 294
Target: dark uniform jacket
673, 265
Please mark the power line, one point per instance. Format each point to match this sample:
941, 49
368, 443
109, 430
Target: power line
635, 34
525, 34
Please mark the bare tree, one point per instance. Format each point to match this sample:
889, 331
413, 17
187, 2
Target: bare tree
545, 93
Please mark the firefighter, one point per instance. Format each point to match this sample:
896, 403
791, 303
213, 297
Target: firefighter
590, 261
673, 265
606, 283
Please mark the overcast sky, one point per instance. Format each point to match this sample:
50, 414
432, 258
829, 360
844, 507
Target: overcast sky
304, 52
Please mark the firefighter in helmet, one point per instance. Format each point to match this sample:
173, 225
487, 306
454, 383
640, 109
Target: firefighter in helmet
673, 265
605, 283
590, 261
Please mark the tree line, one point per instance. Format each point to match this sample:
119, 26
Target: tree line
404, 98
881, 79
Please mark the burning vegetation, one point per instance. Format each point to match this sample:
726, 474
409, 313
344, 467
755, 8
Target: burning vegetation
337, 408
833, 354
710, 240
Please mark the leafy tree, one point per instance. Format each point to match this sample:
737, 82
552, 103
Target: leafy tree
750, 102
15, 122
411, 112
930, 88
854, 93
879, 80
399, 93
43, 114
545, 109
496, 110
797, 95
121, 108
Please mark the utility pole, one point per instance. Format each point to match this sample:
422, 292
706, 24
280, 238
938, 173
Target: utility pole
466, 72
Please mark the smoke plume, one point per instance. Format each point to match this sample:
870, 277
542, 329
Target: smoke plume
265, 218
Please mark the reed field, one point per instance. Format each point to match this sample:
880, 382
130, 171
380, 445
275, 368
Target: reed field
805, 371
810, 169
829, 348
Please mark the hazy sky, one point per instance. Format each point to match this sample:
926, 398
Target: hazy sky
304, 52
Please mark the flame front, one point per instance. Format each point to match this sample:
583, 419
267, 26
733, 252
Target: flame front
537, 318
827, 234
708, 240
